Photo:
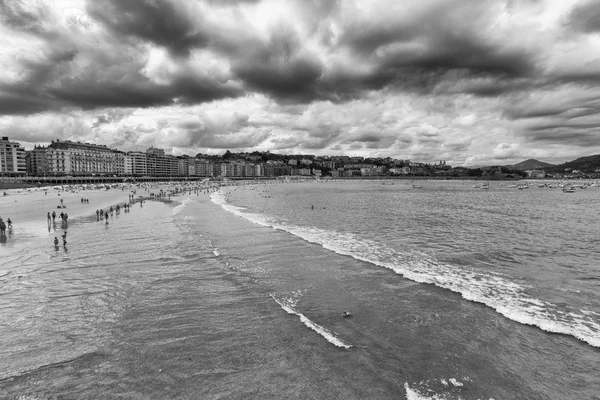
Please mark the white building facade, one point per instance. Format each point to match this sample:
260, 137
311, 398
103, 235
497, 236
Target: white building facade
12, 158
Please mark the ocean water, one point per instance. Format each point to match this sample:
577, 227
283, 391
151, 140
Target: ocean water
454, 293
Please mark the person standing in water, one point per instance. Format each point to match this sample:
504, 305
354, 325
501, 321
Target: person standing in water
55, 241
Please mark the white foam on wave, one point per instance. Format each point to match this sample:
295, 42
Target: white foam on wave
413, 394
259, 219
430, 390
179, 208
289, 304
507, 297
496, 291
455, 382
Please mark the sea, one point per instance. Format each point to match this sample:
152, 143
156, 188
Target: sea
374, 289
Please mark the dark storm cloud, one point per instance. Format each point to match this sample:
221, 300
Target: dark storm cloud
166, 23
135, 90
15, 102
343, 85
484, 85
580, 137
551, 126
29, 95
586, 17
591, 77
417, 52
278, 64
94, 72
456, 52
564, 108
280, 68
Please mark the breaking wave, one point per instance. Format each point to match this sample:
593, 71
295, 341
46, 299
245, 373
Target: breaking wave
496, 291
289, 304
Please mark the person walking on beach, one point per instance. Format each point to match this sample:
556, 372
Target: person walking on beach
64, 238
53, 215
9, 223
55, 241
49, 218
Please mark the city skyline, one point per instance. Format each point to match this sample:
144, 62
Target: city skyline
468, 81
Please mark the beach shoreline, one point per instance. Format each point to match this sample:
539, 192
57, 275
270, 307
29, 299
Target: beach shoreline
31, 210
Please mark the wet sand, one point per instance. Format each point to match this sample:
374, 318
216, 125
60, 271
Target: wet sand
23, 206
28, 208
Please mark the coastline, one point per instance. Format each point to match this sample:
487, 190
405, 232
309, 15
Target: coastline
28, 208
10, 186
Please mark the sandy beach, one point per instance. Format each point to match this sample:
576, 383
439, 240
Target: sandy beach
25, 206
28, 208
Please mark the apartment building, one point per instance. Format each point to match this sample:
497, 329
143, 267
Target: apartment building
12, 158
204, 168
121, 162
65, 157
160, 164
138, 163
36, 161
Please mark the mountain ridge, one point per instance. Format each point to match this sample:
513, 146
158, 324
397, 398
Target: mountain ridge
583, 164
532, 164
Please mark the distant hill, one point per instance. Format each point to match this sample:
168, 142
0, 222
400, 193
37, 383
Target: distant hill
584, 164
532, 164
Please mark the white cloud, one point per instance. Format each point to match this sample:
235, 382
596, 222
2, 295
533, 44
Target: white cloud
468, 81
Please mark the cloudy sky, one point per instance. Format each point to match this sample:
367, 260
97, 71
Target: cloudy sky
473, 82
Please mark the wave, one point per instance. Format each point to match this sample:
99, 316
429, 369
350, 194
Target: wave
434, 390
288, 306
495, 290
180, 207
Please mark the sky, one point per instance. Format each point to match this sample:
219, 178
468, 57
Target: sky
471, 82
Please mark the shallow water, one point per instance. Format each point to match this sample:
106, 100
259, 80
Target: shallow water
454, 292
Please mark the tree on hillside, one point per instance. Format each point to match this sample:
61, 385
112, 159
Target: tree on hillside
475, 172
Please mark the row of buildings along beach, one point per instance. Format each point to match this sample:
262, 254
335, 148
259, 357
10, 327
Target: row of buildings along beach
70, 158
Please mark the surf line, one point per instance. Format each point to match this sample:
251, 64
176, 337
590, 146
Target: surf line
330, 337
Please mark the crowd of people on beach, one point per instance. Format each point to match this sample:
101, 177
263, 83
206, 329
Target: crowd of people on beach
161, 194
